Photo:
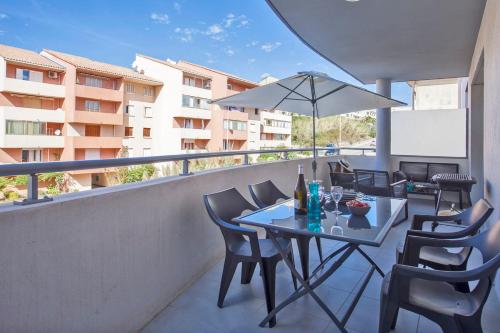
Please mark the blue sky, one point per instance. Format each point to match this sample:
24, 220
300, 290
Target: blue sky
241, 37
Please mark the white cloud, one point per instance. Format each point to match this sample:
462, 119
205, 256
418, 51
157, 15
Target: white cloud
160, 18
3, 16
299, 63
252, 43
269, 47
214, 29
177, 7
230, 19
229, 51
186, 34
251, 60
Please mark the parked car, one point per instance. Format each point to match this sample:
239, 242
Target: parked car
332, 150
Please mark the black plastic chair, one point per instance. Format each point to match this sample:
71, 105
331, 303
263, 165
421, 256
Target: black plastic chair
266, 194
223, 207
375, 182
429, 292
340, 176
440, 258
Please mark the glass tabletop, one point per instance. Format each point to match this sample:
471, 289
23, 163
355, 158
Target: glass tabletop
370, 229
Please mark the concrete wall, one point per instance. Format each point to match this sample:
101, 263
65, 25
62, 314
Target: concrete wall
108, 260
487, 51
429, 133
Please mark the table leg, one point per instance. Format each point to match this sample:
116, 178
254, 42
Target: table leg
438, 203
308, 288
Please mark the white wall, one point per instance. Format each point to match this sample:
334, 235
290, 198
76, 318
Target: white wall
429, 133
110, 259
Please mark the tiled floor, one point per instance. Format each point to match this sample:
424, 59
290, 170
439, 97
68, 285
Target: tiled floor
196, 310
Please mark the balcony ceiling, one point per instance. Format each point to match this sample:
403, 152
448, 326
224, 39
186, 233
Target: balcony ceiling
395, 39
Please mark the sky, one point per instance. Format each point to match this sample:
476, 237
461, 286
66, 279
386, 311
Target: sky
244, 38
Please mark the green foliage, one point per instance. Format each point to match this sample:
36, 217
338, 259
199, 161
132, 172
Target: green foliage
136, 173
328, 130
4, 181
21, 180
268, 157
52, 190
51, 176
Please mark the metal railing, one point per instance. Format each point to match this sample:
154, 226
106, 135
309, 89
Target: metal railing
32, 170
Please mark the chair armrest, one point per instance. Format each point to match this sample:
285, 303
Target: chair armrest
446, 276
436, 235
418, 220
400, 182
250, 233
398, 175
413, 245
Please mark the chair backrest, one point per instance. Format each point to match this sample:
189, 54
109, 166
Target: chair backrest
266, 193
474, 217
226, 205
346, 180
341, 166
372, 182
436, 168
416, 171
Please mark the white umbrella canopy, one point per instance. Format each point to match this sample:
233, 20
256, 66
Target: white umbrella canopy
295, 94
311, 94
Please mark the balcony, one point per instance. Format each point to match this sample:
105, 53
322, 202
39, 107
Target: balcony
94, 141
196, 92
194, 113
32, 88
274, 116
275, 143
235, 135
43, 115
31, 141
276, 130
101, 118
194, 133
96, 93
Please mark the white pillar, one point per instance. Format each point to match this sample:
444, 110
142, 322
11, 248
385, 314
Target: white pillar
383, 140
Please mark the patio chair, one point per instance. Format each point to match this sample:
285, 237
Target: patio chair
439, 257
374, 182
222, 207
266, 194
339, 176
429, 293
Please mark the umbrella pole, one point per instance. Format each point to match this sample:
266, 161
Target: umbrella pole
313, 102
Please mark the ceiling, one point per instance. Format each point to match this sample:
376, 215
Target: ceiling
400, 40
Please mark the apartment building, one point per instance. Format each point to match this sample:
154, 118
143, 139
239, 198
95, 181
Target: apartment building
32, 93
194, 125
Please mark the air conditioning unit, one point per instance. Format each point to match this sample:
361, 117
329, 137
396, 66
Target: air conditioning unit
53, 75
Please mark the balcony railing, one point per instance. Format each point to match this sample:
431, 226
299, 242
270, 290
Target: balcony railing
33, 169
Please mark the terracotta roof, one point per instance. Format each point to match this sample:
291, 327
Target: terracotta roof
231, 76
22, 56
174, 65
89, 65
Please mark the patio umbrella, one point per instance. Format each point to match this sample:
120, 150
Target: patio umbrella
312, 94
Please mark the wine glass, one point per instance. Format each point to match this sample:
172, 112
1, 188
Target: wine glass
336, 193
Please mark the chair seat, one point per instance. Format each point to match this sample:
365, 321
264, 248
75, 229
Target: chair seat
438, 255
267, 248
436, 296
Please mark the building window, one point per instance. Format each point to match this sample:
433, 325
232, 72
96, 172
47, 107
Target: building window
29, 75
93, 81
234, 108
146, 132
229, 86
148, 112
278, 123
129, 88
94, 106
188, 123
279, 136
146, 152
22, 127
92, 130
195, 102
256, 111
129, 131
31, 155
189, 81
148, 91
130, 110
187, 144
235, 125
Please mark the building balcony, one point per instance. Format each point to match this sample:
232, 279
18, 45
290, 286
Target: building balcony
274, 116
32, 88
276, 130
31, 141
196, 92
101, 118
31, 114
94, 141
195, 133
193, 113
275, 143
235, 135
96, 93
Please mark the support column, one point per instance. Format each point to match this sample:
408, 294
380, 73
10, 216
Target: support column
383, 140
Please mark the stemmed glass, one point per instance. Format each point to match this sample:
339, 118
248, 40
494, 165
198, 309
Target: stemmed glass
336, 193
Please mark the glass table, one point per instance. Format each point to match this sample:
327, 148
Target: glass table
369, 230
